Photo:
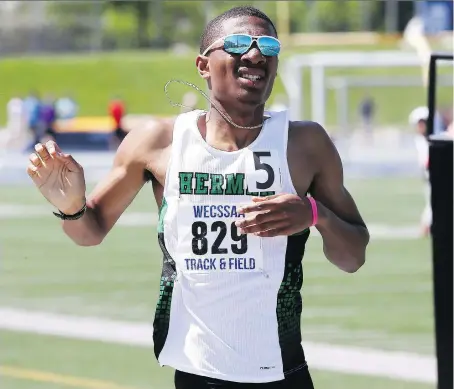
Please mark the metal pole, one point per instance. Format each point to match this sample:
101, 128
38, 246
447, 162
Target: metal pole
431, 94
391, 15
283, 20
365, 15
293, 80
342, 103
318, 93
97, 34
158, 19
311, 16
441, 181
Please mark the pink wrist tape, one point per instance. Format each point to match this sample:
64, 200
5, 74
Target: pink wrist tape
314, 211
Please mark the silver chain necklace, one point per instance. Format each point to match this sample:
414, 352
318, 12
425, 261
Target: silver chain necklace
225, 116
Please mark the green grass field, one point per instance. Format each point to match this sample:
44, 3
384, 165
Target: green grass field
387, 305
139, 78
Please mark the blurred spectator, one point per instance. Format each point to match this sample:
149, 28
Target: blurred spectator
47, 119
366, 112
446, 118
16, 115
439, 123
16, 123
32, 108
65, 108
418, 120
117, 111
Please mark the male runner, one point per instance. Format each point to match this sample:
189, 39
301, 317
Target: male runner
234, 215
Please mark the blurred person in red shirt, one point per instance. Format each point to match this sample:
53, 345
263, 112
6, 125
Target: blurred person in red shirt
117, 111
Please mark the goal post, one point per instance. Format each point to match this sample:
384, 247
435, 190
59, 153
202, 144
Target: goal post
318, 63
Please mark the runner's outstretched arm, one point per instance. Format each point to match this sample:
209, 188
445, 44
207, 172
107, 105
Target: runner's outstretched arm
345, 235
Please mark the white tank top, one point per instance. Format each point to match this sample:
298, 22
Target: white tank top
230, 304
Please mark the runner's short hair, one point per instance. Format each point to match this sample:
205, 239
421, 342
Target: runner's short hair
213, 29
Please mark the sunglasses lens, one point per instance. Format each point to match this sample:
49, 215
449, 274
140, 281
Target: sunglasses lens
269, 46
237, 44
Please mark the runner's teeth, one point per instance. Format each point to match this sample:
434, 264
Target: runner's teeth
251, 77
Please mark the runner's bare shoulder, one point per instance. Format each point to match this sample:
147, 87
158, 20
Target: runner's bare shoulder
307, 131
148, 140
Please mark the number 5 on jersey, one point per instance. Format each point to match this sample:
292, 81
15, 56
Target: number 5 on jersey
263, 171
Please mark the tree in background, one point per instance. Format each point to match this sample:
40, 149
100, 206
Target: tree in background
131, 24
141, 11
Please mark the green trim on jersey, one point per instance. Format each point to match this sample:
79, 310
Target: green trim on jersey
162, 314
162, 214
289, 304
168, 276
288, 307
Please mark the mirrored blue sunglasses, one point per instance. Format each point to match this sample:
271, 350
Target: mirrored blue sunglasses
241, 43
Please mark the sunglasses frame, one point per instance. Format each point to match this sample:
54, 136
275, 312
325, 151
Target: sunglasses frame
253, 39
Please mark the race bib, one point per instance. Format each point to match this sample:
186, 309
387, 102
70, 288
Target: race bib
209, 241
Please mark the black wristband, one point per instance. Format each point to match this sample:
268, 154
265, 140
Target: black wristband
76, 216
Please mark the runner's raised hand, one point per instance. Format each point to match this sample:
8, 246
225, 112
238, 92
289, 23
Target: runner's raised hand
59, 178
